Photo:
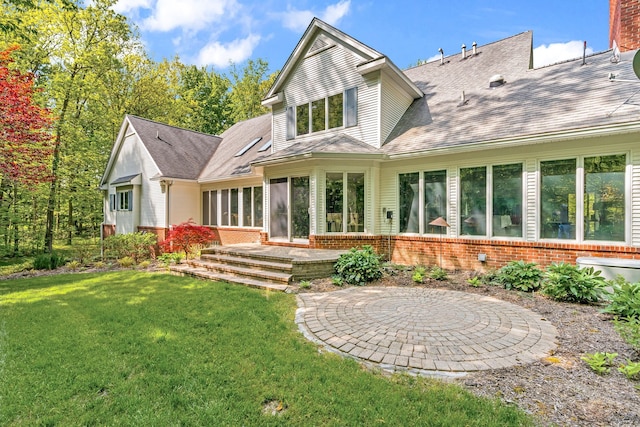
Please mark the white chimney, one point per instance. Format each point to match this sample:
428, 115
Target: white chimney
464, 51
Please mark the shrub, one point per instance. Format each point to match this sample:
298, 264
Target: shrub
567, 282
138, 246
519, 275
629, 330
73, 265
144, 264
100, 264
188, 237
336, 280
305, 284
126, 262
625, 300
359, 266
475, 281
418, 274
48, 261
438, 273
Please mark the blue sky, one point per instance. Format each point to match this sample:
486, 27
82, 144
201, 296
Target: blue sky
214, 33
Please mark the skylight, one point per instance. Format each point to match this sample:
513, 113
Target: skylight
248, 146
265, 147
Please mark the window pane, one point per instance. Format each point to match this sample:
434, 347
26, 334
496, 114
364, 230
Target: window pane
300, 207
435, 199
234, 206
335, 111
334, 202
214, 208
291, 123
507, 200
558, 199
318, 115
225, 207
246, 207
302, 119
205, 208
257, 206
279, 207
351, 105
473, 201
409, 195
604, 198
355, 200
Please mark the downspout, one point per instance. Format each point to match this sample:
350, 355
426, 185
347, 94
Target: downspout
167, 185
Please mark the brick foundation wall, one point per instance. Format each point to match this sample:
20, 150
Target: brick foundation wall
234, 235
108, 230
624, 24
462, 254
160, 232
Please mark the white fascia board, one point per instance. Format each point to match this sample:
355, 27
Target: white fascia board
389, 68
275, 99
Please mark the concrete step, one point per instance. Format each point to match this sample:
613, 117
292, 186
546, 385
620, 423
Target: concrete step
276, 277
258, 254
203, 273
247, 262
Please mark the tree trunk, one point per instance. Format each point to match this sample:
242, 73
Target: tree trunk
16, 228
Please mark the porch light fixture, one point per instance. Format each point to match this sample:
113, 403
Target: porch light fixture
440, 222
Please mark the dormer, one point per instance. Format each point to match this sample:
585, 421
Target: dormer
334, 84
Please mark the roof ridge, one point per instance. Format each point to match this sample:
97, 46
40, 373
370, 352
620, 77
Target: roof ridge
172, 126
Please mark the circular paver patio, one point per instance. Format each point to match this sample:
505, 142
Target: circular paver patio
430, 331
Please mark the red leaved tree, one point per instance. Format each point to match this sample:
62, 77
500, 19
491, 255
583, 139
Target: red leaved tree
26, 145
186, 237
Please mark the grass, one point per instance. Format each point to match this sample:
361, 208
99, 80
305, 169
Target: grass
133, 348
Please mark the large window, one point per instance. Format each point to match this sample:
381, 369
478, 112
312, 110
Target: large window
473, 201
409, 194
558, 199
604, 201
257, 206
230, 200
507, 200
224, 208
345, 214
206, 220
331, 112
435, 199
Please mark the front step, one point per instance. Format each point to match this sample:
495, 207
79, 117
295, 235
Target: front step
254, 263
203, 273
248, 269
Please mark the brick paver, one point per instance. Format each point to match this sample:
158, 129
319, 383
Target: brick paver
430, 331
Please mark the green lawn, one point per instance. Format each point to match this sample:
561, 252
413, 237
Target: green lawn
133, 348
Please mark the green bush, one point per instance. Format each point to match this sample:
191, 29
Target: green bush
359, 266
567, 282
126, 262
438, 273
625, 300
629, 330
519, 275
48, 261
418, 274
138, 246
74, 265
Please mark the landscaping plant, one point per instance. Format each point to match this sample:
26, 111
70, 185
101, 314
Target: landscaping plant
438, 273
625, 300
629, 330
48, 261
359, 266
567, 282
600, 362
631, 370
188, 237
418, 274
138, 246
519, 275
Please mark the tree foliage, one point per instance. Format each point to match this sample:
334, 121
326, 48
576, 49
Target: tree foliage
186, 237
25, 140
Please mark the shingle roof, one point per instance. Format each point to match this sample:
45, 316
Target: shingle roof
557, 98
334, 144
179, 153
224, 163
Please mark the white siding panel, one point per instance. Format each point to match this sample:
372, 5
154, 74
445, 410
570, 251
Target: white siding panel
531, 200
184, 201
327, 73
388, 196
394, 103
635, 198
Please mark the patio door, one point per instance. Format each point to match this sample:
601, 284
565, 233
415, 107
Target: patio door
289, 208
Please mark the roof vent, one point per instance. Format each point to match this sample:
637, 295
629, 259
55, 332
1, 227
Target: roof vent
464, 51
475, 48
441, 56
496, 80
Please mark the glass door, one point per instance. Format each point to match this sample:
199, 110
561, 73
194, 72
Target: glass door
300, 207
278, 208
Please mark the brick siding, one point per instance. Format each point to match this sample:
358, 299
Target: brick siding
624, 24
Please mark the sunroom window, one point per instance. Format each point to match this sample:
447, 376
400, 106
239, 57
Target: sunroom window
558, 199
345, 214
435, 199
604, 198
473, 201
507, 200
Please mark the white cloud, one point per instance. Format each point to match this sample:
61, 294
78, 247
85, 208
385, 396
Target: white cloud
189, 15
124, 6
558, 52
298, 20
221, 55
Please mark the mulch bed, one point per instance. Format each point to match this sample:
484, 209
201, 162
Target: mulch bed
560, 389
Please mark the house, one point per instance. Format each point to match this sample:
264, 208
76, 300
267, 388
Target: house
522, 163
